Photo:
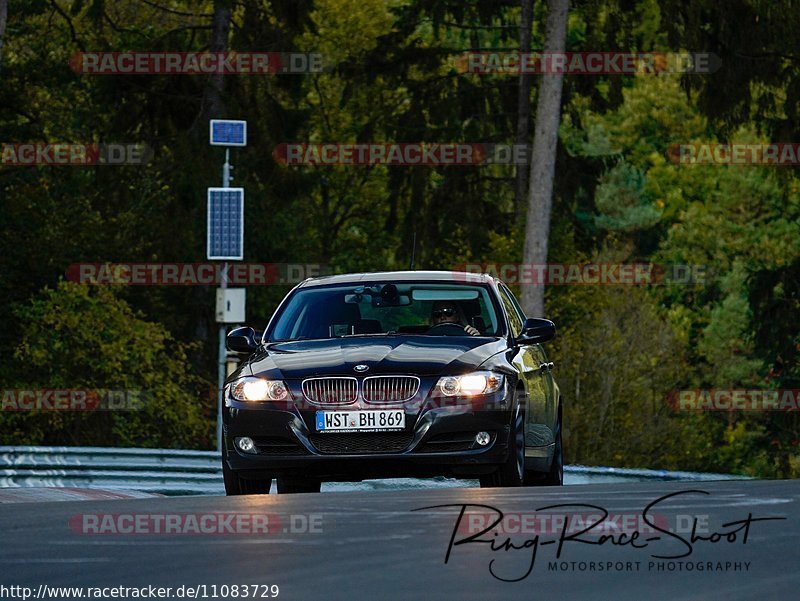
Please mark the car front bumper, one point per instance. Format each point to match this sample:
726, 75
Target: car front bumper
435, 441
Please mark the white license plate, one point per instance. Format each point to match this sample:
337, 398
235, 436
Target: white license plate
361, 421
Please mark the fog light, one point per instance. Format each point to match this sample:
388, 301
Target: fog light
246, 444
483, 438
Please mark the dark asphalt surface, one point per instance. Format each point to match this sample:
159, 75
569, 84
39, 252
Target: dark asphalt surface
372, 545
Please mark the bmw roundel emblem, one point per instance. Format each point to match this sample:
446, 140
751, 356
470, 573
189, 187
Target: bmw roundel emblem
361, 368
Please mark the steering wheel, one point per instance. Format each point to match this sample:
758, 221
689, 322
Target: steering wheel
447, 329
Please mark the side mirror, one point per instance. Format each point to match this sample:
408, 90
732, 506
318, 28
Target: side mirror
536, 330
241, 340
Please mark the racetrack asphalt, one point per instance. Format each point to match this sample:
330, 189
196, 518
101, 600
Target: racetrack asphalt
393, 544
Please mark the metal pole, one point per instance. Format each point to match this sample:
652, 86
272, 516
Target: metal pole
226, 169
221, 358
223, 354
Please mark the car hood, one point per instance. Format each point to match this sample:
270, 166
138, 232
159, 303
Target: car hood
416, 355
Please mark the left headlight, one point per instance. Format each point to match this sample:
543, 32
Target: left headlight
259, 389
471, 384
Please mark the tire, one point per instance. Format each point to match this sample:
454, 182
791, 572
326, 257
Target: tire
512, 472
298, 485
234, 485
555, 476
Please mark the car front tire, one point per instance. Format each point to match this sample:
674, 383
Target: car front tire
235, 485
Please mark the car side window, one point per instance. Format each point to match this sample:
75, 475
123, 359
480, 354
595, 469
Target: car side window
514, 300
538, 349
514, 319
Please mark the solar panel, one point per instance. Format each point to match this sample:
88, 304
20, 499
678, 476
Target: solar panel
223, 132
225, 237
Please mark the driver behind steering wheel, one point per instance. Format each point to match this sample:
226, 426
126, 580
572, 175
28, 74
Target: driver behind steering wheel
447, 312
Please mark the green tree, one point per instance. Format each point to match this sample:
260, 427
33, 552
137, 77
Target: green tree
76, 337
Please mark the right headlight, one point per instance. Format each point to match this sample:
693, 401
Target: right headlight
259, 389
471, 384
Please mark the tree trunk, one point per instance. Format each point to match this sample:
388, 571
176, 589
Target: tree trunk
543, 159
523, 107
213, 105
3, 18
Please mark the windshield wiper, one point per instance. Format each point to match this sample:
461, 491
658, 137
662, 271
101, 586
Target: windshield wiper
392, 333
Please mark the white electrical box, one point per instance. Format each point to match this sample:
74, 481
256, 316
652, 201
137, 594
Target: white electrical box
230, 305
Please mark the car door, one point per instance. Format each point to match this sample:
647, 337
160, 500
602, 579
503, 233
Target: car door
535, 371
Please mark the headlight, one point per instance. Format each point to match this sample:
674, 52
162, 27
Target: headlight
259, 389
472, 384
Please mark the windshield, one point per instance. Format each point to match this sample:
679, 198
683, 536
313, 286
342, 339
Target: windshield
381, 309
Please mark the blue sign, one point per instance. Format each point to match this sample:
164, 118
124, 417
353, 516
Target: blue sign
223, 132
225, 237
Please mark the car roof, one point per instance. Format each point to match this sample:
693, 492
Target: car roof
452, 277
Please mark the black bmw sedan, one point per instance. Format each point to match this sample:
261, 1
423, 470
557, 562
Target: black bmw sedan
395, 374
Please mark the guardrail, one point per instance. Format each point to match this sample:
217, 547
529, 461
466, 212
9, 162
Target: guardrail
166, 471
177, 472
